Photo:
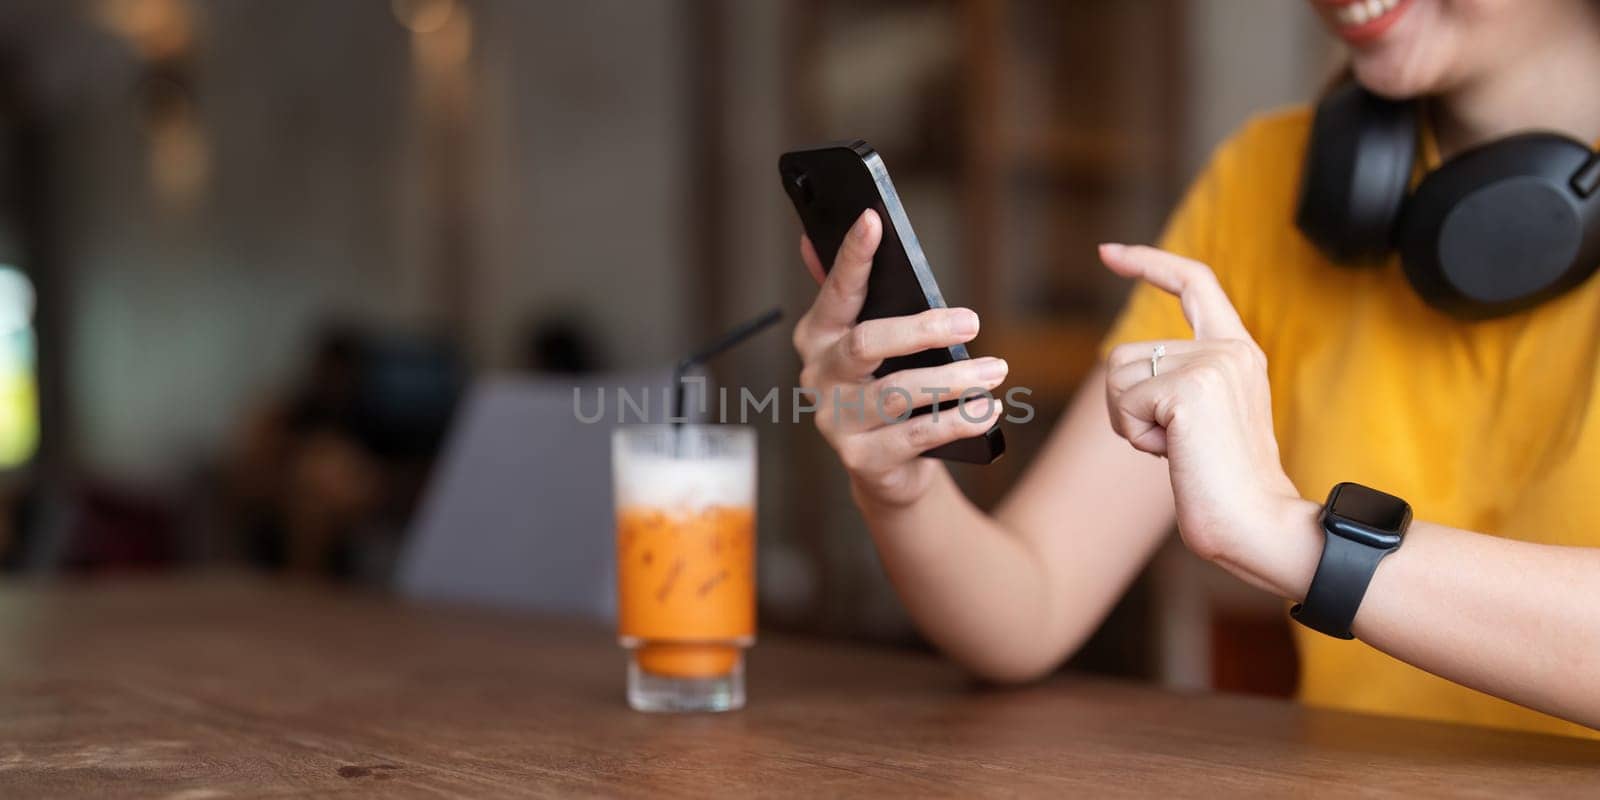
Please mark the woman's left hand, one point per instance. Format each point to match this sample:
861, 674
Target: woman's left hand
1208, 409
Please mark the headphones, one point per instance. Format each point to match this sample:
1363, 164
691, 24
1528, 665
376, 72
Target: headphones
1497, 229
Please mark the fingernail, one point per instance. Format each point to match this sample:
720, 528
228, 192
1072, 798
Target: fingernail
858, 231
992, 369
964, 322
1110, 249
977, 410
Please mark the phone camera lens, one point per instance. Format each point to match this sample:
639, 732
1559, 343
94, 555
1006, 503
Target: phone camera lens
802, 187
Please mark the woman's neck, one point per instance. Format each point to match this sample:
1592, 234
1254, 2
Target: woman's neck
1554, 88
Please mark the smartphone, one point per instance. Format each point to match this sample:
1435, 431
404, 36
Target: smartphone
830, 185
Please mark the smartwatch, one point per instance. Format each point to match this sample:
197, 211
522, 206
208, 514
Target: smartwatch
1360, 526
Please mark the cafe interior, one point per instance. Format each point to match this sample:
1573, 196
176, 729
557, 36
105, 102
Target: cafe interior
300, 298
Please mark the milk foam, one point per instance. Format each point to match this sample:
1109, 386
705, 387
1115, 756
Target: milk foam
684, 483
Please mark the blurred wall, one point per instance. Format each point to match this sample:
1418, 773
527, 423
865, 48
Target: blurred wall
319, 200
1248, 56
184, 308
318, 195
587, 191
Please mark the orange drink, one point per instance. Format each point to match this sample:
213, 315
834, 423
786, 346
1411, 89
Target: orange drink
684, 578
685, 563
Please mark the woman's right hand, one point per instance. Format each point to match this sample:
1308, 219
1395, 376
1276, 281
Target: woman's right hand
857, 413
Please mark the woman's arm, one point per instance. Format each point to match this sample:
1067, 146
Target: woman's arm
1009, 595
1513, 619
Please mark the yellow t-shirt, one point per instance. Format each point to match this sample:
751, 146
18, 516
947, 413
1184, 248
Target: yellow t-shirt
1488, 426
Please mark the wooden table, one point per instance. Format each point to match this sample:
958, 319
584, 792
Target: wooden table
231, 686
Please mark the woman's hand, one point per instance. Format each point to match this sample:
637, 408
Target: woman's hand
1209, 412
858, 413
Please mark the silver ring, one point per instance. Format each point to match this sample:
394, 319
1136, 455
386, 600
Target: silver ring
1155, 359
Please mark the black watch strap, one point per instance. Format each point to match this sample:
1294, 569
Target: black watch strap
1339, 585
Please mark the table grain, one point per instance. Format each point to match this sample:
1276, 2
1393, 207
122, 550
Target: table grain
236, 686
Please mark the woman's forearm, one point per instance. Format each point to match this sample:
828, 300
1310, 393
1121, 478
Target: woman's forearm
1010, 594
1510, 618
974, 588
1514, 619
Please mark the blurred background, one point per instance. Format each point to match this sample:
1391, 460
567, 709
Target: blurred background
256, 255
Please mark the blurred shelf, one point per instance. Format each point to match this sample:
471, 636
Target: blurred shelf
1092, 154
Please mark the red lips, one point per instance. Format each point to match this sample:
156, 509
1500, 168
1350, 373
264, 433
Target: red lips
1362, 21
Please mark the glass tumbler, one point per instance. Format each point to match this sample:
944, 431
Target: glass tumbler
685, 509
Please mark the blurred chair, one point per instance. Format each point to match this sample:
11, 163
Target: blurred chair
323, 478
407, 392
518, 513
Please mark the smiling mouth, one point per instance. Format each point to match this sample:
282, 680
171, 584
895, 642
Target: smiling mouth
1363, 20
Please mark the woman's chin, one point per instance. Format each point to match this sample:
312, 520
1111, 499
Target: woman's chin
1394, 81
1412, 58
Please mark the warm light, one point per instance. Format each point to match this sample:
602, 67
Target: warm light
180, 160
178, 154
157, 28
446, 49
423, 16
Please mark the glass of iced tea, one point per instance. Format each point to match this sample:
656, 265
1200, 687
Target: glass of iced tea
685, 507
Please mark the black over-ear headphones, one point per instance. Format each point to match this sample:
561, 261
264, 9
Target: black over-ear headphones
1494, 230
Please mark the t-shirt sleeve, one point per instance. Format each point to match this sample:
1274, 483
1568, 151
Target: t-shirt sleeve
1191, 231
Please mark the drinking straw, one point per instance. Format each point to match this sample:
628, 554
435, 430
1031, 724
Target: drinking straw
727, 341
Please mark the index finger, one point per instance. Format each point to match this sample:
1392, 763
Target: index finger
1205, 304
845, 289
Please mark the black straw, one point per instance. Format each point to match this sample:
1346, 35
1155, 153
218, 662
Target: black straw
723, 343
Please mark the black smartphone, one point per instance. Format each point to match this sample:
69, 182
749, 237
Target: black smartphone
830, 185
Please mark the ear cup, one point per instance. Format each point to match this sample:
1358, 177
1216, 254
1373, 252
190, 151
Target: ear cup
1499, 228
1357, 167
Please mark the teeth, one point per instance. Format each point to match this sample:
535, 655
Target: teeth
1361, 12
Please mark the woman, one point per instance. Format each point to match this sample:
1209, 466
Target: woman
1299, 374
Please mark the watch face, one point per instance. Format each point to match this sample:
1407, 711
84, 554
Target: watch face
1366, 515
